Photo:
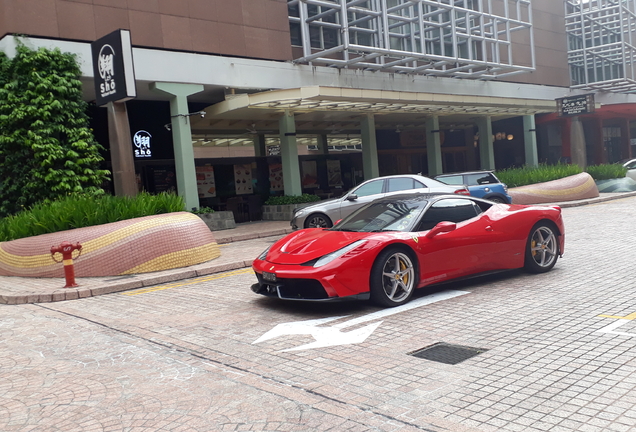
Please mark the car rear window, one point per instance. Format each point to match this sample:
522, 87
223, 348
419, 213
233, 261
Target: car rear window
400, 184
451, 180
481, 179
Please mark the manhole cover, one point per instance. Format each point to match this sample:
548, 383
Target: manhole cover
446, 353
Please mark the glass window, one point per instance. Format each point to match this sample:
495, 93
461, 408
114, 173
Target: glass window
452, 180
400, 184
480, 179
371, 188
383, 216
448, 210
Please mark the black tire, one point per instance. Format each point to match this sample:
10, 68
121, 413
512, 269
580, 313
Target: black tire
542, 248
318, 220
497, 199
393, 278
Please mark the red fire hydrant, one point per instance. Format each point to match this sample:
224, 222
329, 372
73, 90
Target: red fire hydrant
66, 249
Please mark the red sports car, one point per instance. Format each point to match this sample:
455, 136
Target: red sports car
389, 247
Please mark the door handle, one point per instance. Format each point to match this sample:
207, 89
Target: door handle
488, 228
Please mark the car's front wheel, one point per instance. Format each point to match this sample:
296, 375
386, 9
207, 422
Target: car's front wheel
392, 278
542, 248
318, 220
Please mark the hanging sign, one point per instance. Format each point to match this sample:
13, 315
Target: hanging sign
575, 105
113, 71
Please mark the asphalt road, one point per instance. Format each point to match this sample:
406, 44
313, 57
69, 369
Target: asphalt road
553, 352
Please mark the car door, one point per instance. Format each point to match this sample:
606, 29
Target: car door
363, 194
457, 253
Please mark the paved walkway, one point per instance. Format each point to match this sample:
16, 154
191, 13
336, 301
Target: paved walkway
239, 247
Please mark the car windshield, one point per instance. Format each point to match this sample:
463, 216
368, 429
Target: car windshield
384, 215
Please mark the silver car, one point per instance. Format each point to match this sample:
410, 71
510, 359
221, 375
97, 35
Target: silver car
325, 213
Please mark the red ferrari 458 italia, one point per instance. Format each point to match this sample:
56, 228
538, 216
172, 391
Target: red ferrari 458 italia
388, 248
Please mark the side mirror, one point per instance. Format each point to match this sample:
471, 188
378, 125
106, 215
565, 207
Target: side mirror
442, 227
352, 197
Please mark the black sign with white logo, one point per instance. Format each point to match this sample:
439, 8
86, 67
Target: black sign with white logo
113, 68
141, 140
575, 105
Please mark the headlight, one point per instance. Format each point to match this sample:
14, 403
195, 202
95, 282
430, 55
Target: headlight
337, 254
263, 254
299, 212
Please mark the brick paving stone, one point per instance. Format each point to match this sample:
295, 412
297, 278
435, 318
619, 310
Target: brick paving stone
181, 357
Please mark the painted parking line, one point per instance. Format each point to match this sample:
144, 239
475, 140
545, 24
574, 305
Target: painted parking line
190, 282
620, 321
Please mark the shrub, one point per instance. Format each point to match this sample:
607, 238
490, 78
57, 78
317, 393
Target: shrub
298, 199
606, 172
79, 210
515, 177
47, 149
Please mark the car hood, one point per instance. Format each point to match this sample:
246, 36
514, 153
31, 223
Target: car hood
308, 244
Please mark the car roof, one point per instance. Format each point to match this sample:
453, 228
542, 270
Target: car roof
415, 196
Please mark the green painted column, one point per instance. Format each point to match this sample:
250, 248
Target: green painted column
486, 149
182, 138
289, 155
530, 141
369, 147
433, 146
259, 146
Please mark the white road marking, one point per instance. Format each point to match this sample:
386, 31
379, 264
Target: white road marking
333, 336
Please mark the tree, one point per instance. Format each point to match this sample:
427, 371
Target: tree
47, 149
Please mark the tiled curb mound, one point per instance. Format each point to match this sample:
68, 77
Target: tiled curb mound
576, 187
140, 245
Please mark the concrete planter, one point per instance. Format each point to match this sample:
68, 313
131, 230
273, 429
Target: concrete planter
220, 220
281, 212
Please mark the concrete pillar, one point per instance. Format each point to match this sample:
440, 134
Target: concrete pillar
433, 146
289, 155
369, 147
120, 140
577, 143
260, 149
182, 138
323, 145
530, 141
626, 145
598, 146
486, 149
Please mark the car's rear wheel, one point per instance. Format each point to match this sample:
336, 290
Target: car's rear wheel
542, 248
392, 278
497, 200
318, 220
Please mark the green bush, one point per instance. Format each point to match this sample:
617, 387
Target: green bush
515, 177
78, 210
283, 200
606, 172
47, 149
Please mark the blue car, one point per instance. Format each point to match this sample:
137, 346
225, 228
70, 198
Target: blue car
481, 184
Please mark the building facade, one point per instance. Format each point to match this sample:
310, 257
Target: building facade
317, 96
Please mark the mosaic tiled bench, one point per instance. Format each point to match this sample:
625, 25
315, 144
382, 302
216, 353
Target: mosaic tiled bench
572, 188
140, 245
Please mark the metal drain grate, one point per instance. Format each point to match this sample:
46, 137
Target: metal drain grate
446, 353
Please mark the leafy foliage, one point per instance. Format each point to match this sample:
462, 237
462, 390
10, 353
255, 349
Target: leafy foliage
80, 210
516, 177
606, 172
299, 199
47, 149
